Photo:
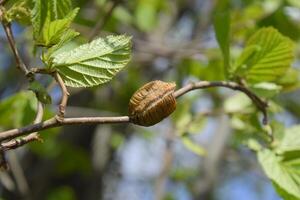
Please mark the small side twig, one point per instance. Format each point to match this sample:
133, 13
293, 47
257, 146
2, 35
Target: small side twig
65, 95
12, 44
102, 23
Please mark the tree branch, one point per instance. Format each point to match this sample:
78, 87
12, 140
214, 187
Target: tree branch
260, 104
65, 95
102, 23
53, 122
12, 44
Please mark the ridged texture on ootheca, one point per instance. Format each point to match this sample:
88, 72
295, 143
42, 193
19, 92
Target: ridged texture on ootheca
152, 103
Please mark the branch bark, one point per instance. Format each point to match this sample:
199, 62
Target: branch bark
54, 122
65, 95
12, 44
260, 104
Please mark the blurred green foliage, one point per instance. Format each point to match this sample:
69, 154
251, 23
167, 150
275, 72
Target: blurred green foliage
172, 41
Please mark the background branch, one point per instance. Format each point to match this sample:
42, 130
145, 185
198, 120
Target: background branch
167, 160
102, 23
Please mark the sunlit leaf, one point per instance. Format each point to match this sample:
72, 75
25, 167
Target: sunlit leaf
67, 36
290, 141
50, 20
93, 63
38, 16
282, 164
54, 31
282, 173
266, 57
60, 8
237, 103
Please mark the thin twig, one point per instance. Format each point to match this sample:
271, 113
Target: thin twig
53, 122
102, 23
12, 44
65, 95
39, 70
260, 104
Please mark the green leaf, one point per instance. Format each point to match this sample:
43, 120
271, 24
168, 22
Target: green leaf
19, 11
60, 8
67, 36
192, 146
282, 165
267, 56
237, 103
290, 141
50, 20
17, 110
54, 31
94, 63
40, 92
266, 89
38, 16
246, 57
290, 80
222, 31
284, 174
283, 193
254, 144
